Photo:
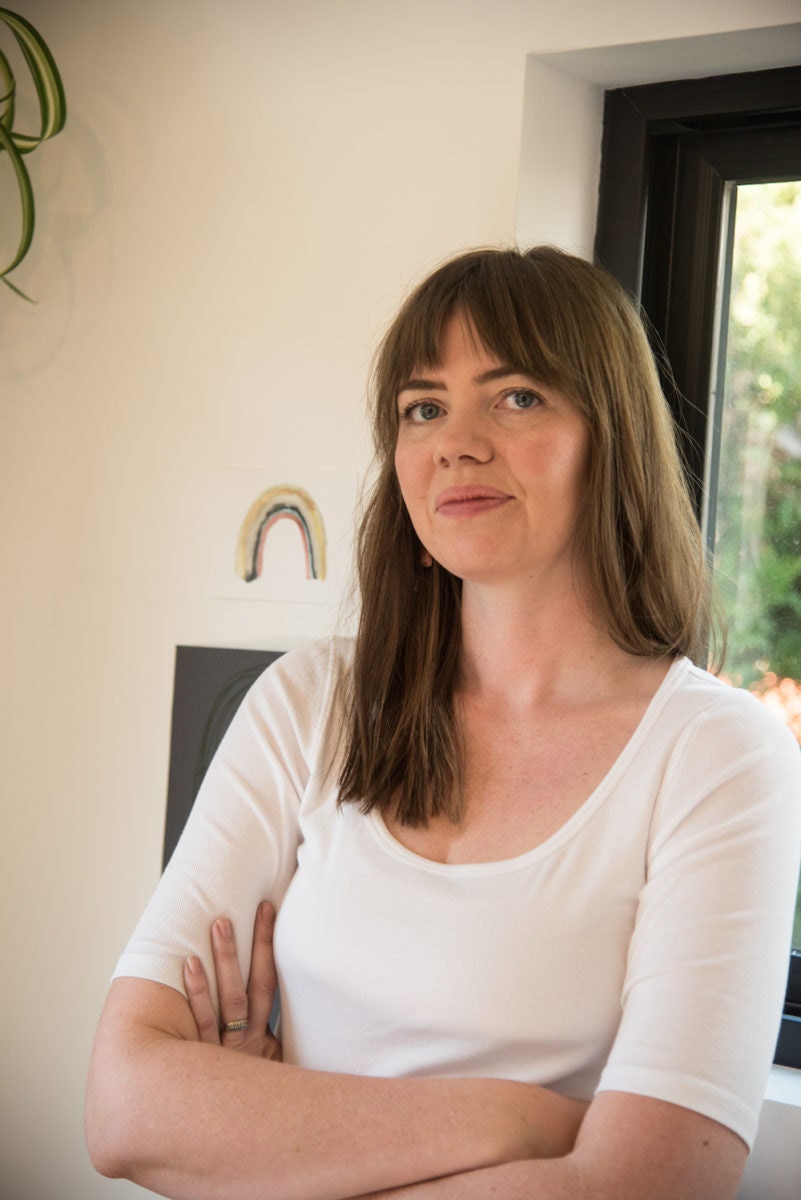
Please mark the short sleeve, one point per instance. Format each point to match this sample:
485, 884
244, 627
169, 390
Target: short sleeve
240, 843
707, 962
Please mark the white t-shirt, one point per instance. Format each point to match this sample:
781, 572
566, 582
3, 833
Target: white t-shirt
641, 948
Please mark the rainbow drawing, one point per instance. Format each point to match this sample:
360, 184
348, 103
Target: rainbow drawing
276, 504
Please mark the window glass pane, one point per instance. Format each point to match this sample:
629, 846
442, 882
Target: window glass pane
757, 546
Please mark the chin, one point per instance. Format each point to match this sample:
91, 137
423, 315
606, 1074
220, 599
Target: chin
475, 572
480, 563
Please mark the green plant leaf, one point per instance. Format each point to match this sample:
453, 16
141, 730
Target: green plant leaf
26, 201
18, 291
7, 98
46, 79
53, 113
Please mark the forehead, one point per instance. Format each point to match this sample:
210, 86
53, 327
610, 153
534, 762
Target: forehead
459, 341
495, 324
458, 344
459, 337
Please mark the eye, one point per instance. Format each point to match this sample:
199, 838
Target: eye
519, 399
421, 411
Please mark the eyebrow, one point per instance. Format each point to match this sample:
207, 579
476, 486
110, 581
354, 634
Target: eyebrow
426, 385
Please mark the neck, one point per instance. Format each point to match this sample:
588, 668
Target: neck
523, 645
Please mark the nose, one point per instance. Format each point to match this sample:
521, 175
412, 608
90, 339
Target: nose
462, 438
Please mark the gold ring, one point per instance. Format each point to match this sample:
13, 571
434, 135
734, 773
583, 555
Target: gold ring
234, 1026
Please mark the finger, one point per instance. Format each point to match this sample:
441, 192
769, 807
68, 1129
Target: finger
231, 989
199, 997
262, 981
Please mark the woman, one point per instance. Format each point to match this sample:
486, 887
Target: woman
534, 870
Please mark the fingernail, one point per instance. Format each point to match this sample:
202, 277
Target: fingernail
224, 929
192, 965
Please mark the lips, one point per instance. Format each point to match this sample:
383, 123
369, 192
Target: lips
469, 500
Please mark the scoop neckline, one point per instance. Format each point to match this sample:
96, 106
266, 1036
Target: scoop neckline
565, 832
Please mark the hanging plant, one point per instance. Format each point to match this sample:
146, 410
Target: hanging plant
53, 112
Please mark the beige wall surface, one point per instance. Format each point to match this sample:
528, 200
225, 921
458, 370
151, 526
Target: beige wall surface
241, 196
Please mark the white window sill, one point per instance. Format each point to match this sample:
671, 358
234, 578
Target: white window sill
773, 1172
784, 1086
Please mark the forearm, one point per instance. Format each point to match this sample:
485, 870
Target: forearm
215, 1124
628, 1147
199, 1121
540, 1179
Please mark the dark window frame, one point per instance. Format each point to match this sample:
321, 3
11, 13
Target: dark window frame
670, 155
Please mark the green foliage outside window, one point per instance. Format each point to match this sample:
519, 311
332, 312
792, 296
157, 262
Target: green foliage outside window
758, 535
758, 548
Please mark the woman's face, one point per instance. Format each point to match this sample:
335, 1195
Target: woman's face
492, 465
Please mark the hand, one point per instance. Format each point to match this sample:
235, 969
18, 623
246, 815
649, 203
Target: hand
237, 1004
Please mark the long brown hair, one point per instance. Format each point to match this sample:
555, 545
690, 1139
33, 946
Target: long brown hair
567, 324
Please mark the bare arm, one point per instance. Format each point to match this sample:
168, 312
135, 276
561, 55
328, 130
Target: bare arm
194, 1119
628, 1147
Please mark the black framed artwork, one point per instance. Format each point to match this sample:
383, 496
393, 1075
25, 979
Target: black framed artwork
210, 684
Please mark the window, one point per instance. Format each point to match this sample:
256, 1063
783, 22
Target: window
752, 502
677, 161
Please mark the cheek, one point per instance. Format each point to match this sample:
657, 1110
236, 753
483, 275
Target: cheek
575, 462
583, 464
412, 490
405, 472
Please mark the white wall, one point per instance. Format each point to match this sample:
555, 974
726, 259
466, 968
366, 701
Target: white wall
240, 197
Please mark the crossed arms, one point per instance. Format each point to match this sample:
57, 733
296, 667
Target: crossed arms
172, 1108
